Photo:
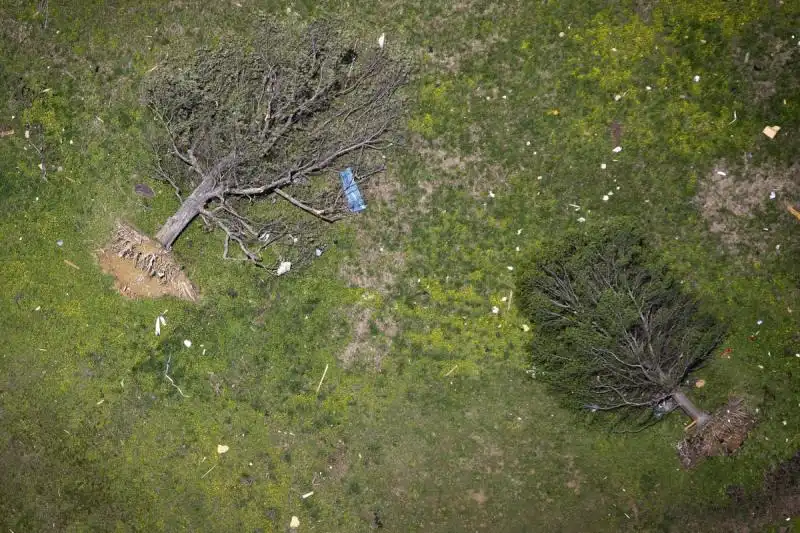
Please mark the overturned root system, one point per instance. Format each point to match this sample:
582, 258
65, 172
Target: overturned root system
722, 435
143, 268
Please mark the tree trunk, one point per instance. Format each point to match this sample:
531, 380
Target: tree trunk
698, 415
189, 209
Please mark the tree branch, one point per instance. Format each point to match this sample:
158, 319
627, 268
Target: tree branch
307, 208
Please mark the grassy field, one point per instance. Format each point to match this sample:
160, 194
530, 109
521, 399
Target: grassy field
429, 418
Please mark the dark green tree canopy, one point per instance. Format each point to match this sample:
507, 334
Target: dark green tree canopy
613, 329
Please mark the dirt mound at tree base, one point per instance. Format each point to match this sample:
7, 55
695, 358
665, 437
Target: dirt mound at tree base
142, 268
722, 435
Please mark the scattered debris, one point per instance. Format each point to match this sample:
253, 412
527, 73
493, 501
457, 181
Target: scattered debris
581, 220
696, 79
307, 495
771, 131
284, 267
495, 309
324, 372
171, 381
208, 471
382, 40
294, 523
605, 197
603, 166
726, 353
143, 190
700, 383
160, 321
450, 371
526, 328
73, 265
6, 133
60, 242
793, 211
491, 194
617, 149
354, 199
222, 448
187, 343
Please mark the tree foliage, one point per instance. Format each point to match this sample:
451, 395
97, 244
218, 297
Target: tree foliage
612, 329
275, 116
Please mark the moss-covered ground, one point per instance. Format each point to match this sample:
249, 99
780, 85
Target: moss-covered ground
435, 422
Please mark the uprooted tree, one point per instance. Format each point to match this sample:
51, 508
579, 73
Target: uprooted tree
613, 330
273, 118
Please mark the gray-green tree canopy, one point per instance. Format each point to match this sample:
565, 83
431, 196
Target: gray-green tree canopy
613, 331
257, 129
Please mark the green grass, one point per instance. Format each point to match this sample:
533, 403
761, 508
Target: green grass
94, 438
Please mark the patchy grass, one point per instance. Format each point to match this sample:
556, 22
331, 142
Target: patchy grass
450, 433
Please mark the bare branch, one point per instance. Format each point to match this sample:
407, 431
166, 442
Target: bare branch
307, 208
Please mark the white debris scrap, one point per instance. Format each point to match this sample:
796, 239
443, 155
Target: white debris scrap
284, 267
771, 131
294, 523
617, 149
495, 309
772, 195
187, 343
221, 448
160, 321
382, 40
307, 495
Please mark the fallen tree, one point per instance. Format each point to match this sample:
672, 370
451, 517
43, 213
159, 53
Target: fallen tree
613, 331
257, 131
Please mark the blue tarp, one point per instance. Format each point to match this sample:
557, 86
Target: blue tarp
350, 187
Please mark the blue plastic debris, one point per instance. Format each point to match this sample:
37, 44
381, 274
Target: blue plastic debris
351, 191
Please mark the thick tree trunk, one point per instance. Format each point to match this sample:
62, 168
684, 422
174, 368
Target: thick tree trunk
189, 209
698, 415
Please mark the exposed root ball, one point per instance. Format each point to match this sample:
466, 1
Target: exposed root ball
722, 435
143, 268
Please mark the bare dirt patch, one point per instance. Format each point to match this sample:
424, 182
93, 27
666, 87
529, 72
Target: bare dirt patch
478, 496
729, 200
142, 268
723, 435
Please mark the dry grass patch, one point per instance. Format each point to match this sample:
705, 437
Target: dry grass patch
364, 347
729, 200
